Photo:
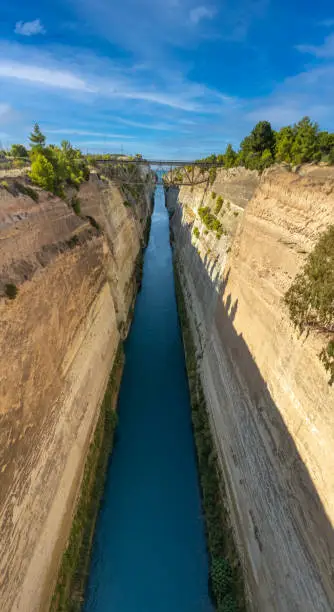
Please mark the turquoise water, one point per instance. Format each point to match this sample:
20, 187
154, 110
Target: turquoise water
149, 552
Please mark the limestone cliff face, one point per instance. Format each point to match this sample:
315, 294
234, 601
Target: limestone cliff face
270, 405
58, 339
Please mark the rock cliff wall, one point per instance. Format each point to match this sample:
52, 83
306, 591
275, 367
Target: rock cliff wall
270, 405
76, 281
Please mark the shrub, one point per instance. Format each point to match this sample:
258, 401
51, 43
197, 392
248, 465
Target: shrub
213, 195
18, 150
11, 291
210, 221
236, 214
219, 205
228, 604
42, 172
196, 232
310, 298
5, 185
75, 203
221, 577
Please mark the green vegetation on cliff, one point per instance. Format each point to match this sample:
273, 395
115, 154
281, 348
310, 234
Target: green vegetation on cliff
310, 298
73, 573
54, 168
225, 570
294, 144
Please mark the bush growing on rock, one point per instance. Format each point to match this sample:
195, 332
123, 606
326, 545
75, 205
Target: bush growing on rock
53, 168
219, 205
310, 298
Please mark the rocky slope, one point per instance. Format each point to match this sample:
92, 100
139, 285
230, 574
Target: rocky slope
76, 282
270, 405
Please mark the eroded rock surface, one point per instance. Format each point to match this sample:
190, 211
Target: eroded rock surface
267, 392
58, 338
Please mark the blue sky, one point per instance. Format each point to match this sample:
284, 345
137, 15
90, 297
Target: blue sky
171, 78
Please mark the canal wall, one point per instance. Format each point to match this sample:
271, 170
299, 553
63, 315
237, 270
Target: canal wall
73, 281
267, 393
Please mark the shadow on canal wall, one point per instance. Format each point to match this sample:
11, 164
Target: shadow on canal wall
284, 536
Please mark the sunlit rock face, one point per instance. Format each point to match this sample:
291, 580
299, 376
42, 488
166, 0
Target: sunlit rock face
76, 282
267, 392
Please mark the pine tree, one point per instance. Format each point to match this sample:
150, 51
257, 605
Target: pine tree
37, 139
229, 157
305, 147
284, 141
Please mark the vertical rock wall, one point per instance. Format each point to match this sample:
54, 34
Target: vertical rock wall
270, 404
76, 281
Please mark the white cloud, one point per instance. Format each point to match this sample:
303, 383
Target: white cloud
72, 131
323, 51
43, 76
201, 12
81, 73
29, 28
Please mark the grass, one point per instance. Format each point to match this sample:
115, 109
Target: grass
196, 232
226, 579
73, 573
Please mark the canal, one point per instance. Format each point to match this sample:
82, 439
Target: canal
149, 552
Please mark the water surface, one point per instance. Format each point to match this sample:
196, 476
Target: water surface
149, 552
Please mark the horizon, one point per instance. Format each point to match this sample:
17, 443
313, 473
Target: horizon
163, 79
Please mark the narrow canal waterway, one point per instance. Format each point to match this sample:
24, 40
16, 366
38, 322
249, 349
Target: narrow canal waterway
149, 553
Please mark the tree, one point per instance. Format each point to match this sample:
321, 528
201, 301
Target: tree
305, 147
42, 172
18, 150
37, 139
230, 157
252, 147
284, 141
266, 159
326, 145
262, 137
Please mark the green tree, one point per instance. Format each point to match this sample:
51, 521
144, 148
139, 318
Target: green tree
326, 145
305, 147
37, 139
252, 147
284, 141
42, 172
266, 159
18, 150
230, 157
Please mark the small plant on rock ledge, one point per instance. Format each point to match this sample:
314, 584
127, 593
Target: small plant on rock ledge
310, 298
11, 291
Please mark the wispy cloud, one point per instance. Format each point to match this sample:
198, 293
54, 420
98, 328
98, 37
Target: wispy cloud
201, 12
29, 28
62, 79
326, 50
74, 132
80, 73
164, 127
7, 113
326, 23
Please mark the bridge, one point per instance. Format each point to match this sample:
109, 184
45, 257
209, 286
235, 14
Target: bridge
176, 172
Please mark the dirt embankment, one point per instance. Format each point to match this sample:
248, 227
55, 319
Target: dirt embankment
270, 403
74, 280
